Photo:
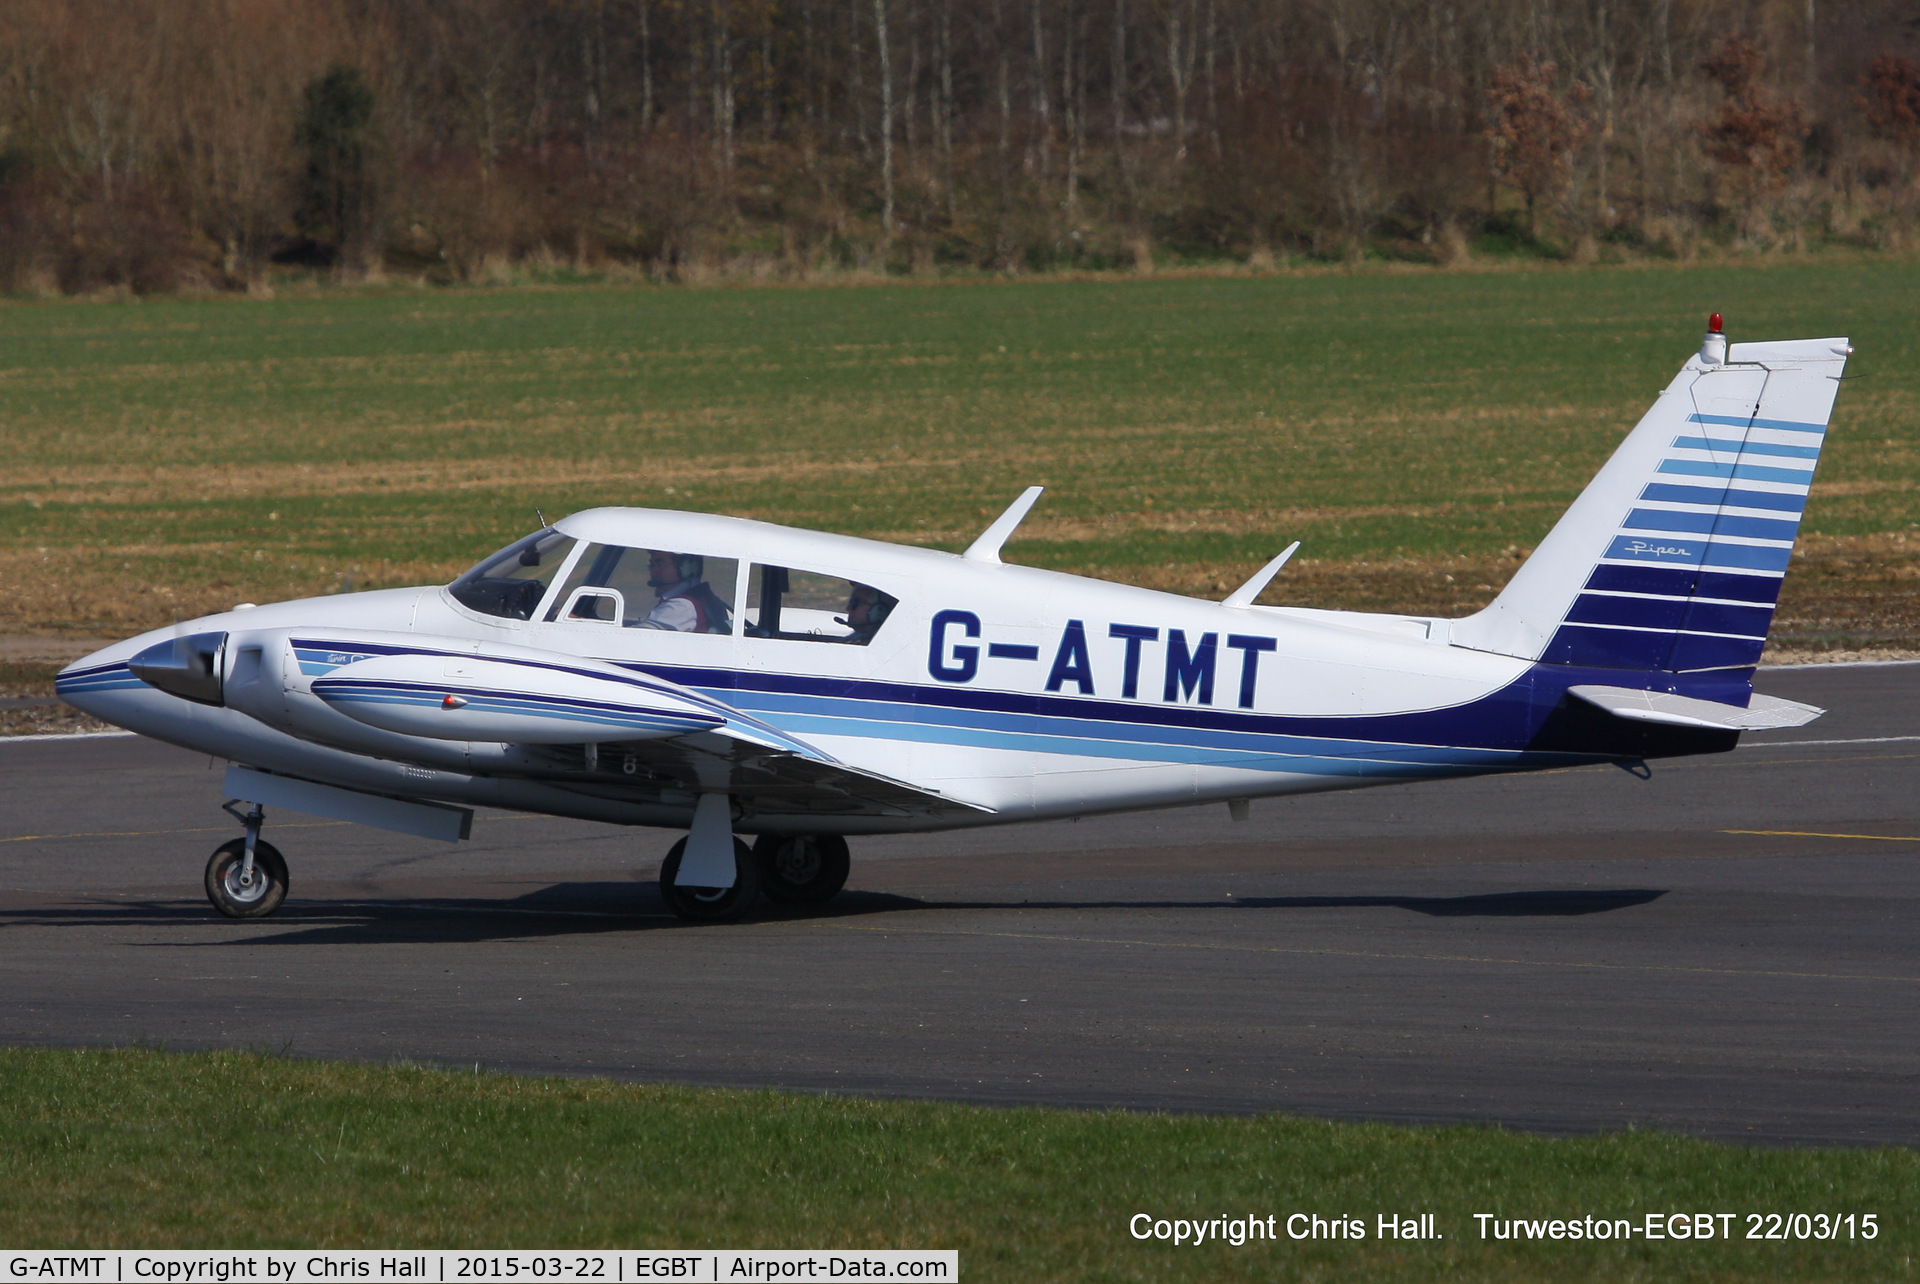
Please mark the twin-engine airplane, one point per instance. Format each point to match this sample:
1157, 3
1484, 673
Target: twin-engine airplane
726, 676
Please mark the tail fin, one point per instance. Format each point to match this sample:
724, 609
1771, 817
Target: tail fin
1670, 561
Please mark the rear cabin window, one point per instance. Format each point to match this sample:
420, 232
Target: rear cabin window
648, 588
512, 582
805, 606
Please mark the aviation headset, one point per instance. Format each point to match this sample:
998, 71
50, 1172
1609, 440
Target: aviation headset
687, 566
877, 610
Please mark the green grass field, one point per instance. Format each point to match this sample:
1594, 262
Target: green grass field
138, 1148
1417, 430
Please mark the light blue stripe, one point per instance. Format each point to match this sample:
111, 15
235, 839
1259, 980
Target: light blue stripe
1756, 527
1305, 764
1746, 448
123, 682
1734, 421
1738, 472
1748, 557
1661, 519
1093, 736
1126, 741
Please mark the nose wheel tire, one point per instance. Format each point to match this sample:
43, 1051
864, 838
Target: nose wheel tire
239, 896
801, 869
711, 904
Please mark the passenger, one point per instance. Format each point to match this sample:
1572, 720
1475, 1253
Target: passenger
867, 609
687, 602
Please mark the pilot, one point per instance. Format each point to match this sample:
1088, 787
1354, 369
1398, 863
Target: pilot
867, 609
687, 602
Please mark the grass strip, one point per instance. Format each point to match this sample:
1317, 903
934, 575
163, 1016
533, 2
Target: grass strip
1419, 432
144, 1148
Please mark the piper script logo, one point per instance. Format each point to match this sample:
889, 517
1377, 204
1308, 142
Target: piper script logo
1641, 548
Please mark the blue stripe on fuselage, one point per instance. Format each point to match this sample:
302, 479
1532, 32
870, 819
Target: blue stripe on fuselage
1502, 723
1490, 733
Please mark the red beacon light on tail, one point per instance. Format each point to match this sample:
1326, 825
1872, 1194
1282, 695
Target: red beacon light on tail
1713, 348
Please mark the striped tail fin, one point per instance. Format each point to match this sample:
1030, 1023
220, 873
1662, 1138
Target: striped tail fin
1670, 562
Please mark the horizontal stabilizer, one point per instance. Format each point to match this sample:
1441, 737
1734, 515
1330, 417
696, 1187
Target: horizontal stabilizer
1764, 714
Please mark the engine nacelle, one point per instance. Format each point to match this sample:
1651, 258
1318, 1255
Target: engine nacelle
445, 702
511, 701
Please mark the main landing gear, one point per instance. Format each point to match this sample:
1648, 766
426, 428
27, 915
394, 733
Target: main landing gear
247, 877
710, 904
801, 869
712, 877
791, 869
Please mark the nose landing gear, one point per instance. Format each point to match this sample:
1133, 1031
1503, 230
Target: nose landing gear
246, 877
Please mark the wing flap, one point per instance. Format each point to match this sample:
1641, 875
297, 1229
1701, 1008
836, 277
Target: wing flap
737, 761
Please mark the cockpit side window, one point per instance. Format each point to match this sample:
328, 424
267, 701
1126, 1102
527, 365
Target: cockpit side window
511, 583
648, 588
805, 606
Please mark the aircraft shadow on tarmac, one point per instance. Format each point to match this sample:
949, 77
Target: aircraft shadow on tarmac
578, 909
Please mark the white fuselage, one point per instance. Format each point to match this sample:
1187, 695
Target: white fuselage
1025, 693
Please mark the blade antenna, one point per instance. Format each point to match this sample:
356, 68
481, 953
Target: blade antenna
987, 547
541, 516
1244, 595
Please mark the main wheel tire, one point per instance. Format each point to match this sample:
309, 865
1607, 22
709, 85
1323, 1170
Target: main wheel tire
711, 904
254, 899
801, 869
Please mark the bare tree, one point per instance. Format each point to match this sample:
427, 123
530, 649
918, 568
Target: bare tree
1534, 131
1755, 136
1181, 52
886, 117
1892, 100
614, 127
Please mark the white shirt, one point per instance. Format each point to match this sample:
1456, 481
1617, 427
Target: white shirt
675, 612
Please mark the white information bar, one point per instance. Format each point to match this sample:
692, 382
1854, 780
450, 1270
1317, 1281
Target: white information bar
439, 1266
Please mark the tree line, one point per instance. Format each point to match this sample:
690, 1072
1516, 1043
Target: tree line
155, 144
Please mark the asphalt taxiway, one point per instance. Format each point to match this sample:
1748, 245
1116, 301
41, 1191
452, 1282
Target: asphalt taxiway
1729, 949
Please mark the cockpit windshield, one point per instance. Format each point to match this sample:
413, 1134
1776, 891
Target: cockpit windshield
511, 583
